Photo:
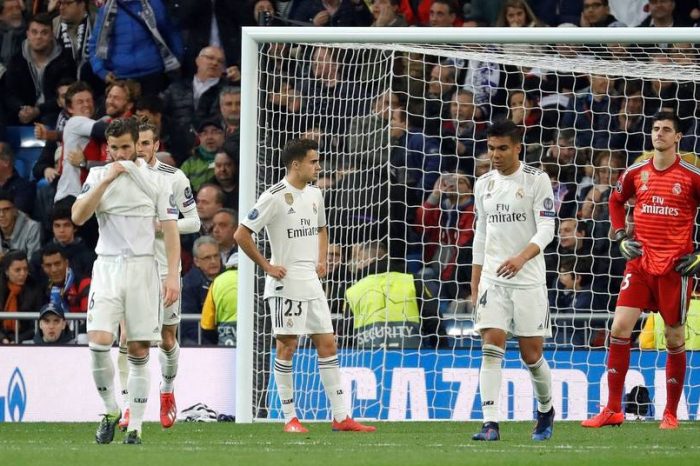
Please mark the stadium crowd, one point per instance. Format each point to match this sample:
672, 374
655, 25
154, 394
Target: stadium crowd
68, 67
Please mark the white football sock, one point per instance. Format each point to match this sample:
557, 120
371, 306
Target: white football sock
285, 387
541, 377
329, 369
139, 386
168, 367
490, 381
103, 375
123, 366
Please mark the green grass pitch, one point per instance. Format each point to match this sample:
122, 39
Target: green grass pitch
394, 443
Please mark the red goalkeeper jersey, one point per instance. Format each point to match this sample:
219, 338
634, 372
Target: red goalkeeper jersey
664, 210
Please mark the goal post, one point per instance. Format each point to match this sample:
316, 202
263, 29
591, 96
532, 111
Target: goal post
258, 168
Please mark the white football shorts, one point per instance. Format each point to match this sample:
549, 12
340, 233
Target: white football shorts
126, 288
520, 312
171, 314
291, 317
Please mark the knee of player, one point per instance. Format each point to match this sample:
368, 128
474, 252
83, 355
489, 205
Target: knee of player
168, 337
675, 335
138, 349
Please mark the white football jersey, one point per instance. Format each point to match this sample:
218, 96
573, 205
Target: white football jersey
292, 218
184, 200
513, 211
76, 135
125, 212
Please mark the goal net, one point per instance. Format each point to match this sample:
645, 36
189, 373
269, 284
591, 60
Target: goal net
402, 134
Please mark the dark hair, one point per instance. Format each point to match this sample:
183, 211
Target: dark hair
65, 81
61, 211
51, 249
10, 257
6, 195
665, 115
451, 4
6, 152
122, 126
44, 19
296, 149
76, 87
145, 125
505, 128
230, 212
151, 103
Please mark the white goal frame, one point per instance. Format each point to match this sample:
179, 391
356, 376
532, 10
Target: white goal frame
253, 37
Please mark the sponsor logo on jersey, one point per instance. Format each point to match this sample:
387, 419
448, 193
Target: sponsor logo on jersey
289, 198
658, 208
677, 189
291, 211
503, 214
253, 214
645, 179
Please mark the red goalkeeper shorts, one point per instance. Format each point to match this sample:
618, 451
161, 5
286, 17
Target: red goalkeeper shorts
668, 294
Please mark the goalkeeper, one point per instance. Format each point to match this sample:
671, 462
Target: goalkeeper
660, 263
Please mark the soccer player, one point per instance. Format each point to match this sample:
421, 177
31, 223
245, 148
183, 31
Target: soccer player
660, 259
126, 196
515, 222
146, 148
293, 214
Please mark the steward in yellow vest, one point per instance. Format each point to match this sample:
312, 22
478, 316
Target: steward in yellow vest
220, 310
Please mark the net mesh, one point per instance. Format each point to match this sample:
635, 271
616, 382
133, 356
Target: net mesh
401, 130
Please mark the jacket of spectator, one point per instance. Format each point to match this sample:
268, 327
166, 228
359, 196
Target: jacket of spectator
11, 38
21, 89
132, 51
195, 286
24, 297
195, 21
26, 235
22, 190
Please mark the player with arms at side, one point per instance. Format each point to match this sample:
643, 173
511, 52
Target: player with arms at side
660, 260
515, 222
293, 214
126, 196
168, 356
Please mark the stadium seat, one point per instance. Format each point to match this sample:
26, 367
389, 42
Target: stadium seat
26, 146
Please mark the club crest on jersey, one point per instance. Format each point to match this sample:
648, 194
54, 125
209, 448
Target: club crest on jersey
253, 214
676, 189
520, 193
289, 198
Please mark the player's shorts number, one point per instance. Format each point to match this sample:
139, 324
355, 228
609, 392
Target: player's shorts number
625, 281
293, 308
482, 300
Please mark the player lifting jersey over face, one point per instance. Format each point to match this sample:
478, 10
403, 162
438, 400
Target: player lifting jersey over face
293, 215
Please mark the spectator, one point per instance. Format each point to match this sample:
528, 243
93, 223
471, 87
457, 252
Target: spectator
226, 177
64, 236
487, 9
387, 13
65, 289
189, 102
443, 13
390, 309
343, 13
33, 74
210, 200
10, 181
572, 294
573, 241
151, 108
53, 328
12, 30
564, 192
517, 14
133, 39
368, 140
445, 222
296, 10
220, 311
594, 110
72, 29
596, 13
470, 135
224, 224
80, 106
195, 284
18, 293
199, 167
631, 125
662, 15
17, 230
230, 109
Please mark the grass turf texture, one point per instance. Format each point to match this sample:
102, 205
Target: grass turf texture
405, 443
